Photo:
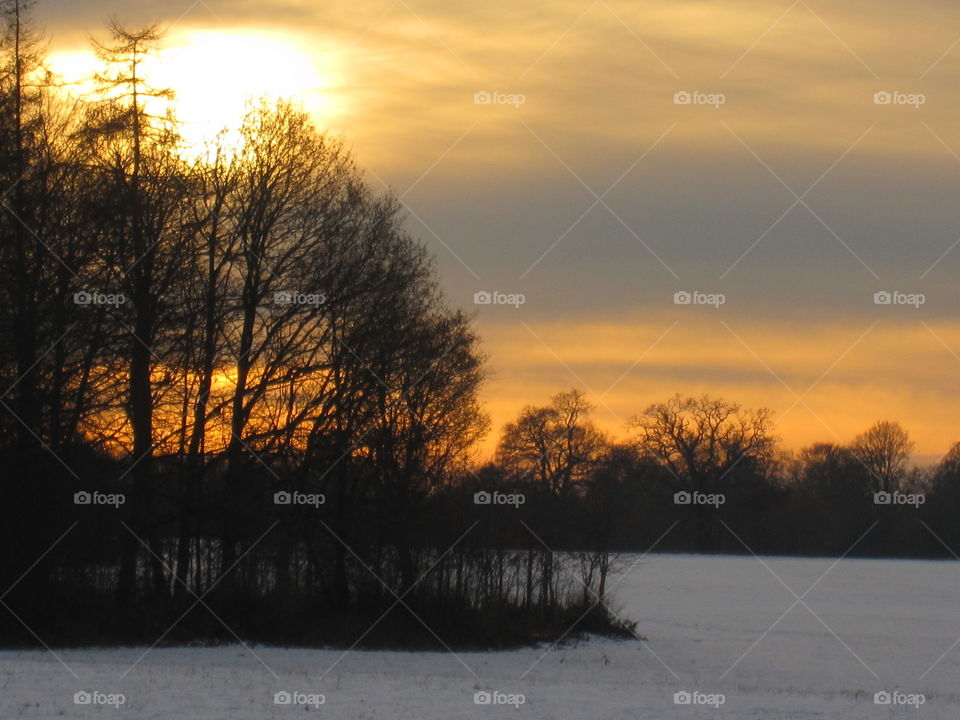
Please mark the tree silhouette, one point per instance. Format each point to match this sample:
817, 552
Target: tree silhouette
884, 449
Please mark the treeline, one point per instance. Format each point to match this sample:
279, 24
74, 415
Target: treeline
231, 389
701, 474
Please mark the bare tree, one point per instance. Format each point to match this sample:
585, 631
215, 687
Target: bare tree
555, 445
554, 448
22, 152
702, 440
884, 449
706, 444
135, 154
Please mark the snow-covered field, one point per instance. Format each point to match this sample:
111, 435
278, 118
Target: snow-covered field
775, 638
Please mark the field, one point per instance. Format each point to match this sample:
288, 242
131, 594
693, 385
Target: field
747, 638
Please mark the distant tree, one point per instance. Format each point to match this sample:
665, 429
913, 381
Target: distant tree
708, 444
829, 491
704, 440
949, 466
826, 468
553, 446
944, 503
884, 449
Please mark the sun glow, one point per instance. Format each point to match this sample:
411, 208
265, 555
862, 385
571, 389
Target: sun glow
214, 75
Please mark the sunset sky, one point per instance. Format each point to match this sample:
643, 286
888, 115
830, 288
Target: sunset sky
586, 188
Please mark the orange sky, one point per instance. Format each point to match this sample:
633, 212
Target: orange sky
586, 187
823, 381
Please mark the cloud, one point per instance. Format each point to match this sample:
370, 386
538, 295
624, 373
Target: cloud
798, 197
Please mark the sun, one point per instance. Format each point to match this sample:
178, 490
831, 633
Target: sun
215, 74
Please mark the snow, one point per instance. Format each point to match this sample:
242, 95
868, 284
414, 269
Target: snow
859, 627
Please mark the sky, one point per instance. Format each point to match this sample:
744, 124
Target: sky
544, 152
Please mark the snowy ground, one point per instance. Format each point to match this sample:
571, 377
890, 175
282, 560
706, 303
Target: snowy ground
866, 626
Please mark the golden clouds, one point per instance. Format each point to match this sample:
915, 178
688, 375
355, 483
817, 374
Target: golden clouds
400, 80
